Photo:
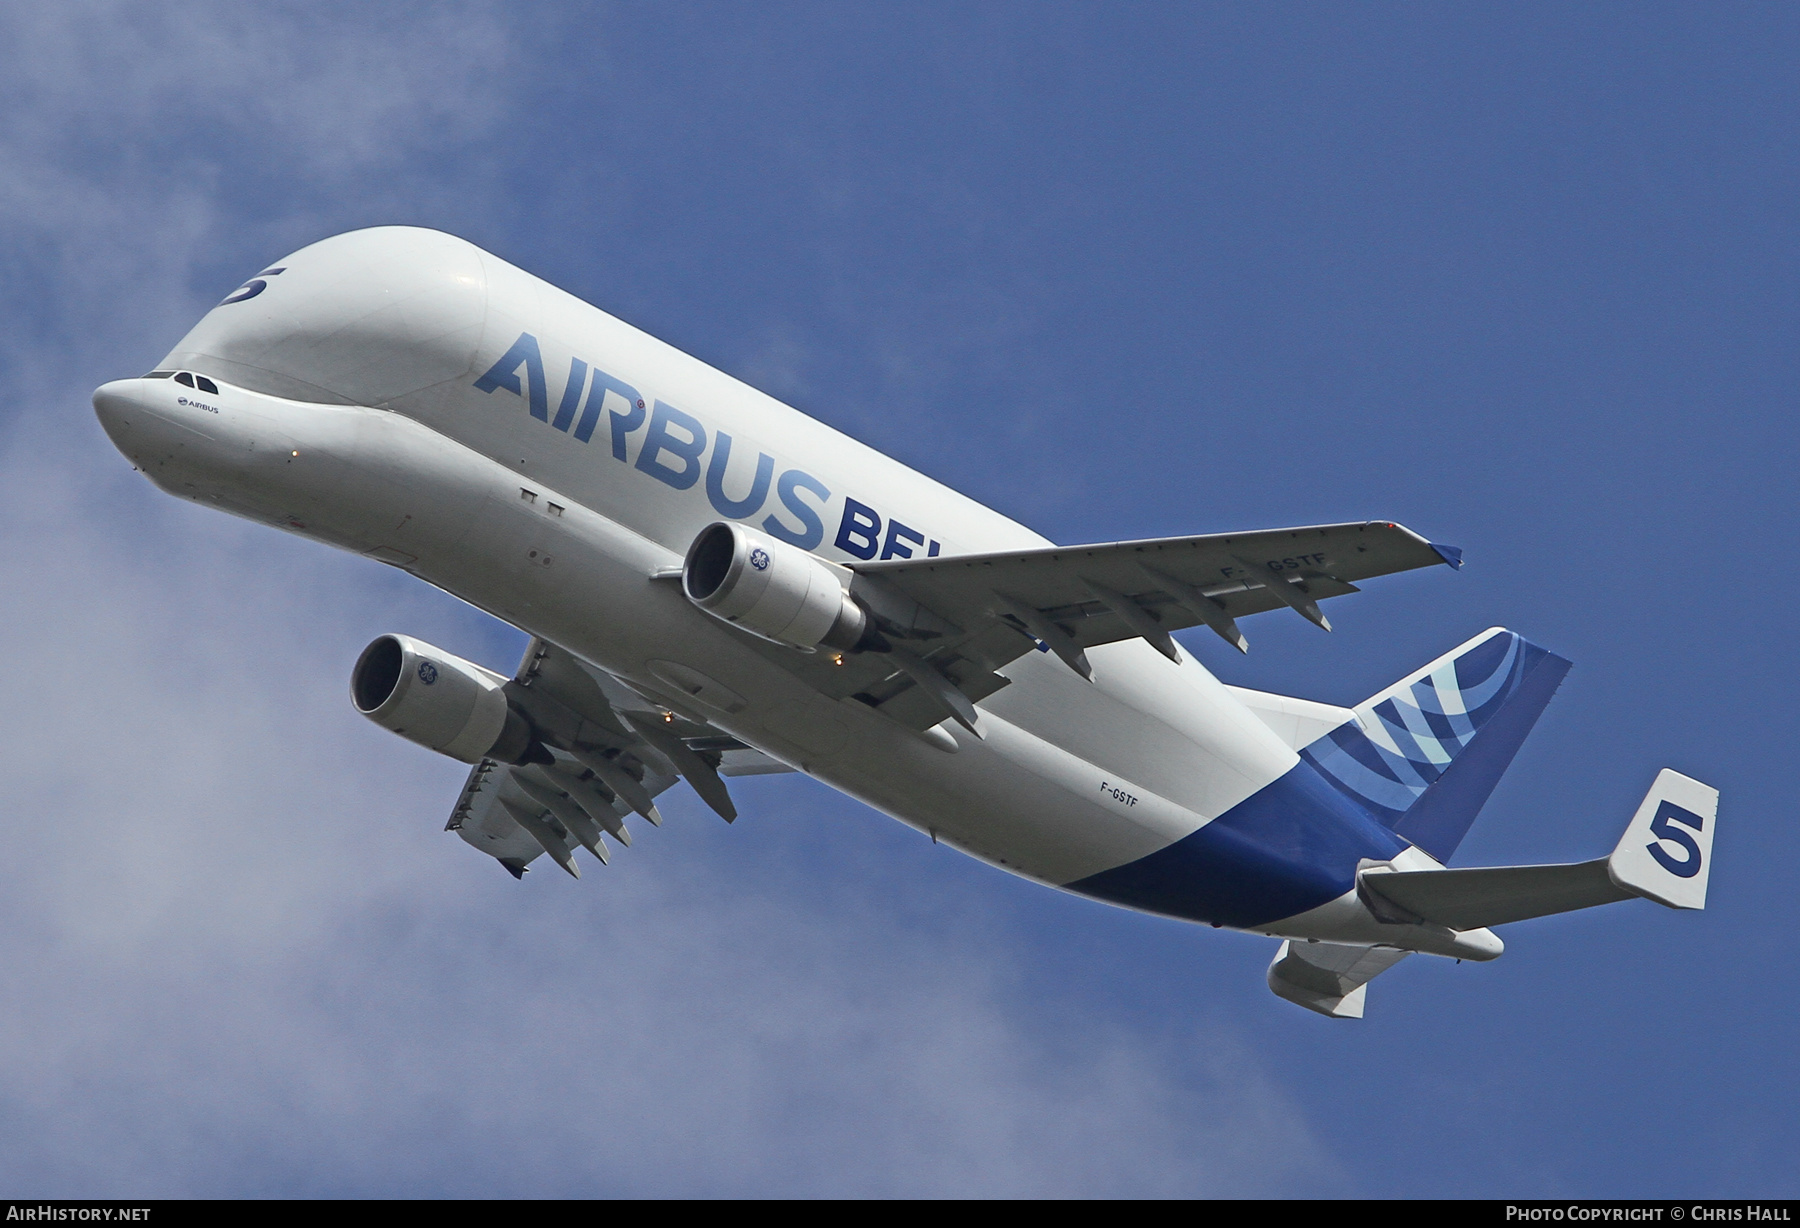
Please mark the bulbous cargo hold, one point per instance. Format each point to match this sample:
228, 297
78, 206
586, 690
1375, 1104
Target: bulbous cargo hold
438, 700
365, 318
771, 589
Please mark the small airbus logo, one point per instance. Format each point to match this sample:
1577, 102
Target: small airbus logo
427, 672
759, 559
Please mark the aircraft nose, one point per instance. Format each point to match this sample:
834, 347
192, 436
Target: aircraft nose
138, 426
116, 404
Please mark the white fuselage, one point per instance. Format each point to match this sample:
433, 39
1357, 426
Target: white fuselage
349, 411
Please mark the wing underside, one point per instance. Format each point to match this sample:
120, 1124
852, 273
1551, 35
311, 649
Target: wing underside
951, 623
943, 629
612, 751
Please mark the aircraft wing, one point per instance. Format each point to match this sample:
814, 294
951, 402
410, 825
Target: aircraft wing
951, 622
613, 752
1237, 574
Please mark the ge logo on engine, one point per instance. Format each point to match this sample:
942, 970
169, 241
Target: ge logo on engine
759, 559
427, 672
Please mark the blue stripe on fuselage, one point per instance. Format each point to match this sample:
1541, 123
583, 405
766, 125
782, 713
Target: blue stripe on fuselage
1289, 847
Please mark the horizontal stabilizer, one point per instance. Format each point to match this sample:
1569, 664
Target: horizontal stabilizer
1665, 855
1476, 899
1329, 977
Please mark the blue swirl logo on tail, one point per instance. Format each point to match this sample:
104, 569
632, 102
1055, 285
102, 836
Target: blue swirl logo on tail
1405, 739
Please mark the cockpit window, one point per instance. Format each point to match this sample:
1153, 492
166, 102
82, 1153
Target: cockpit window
159, 375
182, 377
205, 384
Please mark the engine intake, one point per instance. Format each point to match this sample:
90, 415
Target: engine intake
440, 701
771, 589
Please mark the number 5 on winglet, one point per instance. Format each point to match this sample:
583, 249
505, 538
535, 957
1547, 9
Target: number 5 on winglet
1666, 853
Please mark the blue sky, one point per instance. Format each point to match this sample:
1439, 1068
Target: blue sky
1521, 277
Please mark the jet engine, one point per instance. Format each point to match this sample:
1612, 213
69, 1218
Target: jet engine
428, 696
771, 589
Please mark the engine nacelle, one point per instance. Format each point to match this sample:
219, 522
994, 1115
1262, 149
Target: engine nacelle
428, 696
771, 589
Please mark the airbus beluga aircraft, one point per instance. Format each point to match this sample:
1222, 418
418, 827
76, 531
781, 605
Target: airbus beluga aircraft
717, 585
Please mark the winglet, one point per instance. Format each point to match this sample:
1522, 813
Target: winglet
1450, 554
1666, 853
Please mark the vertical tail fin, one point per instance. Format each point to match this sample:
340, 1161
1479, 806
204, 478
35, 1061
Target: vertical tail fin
1424, 754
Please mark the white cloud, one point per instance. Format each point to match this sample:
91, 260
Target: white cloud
238, 954
333, 89
135, 133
